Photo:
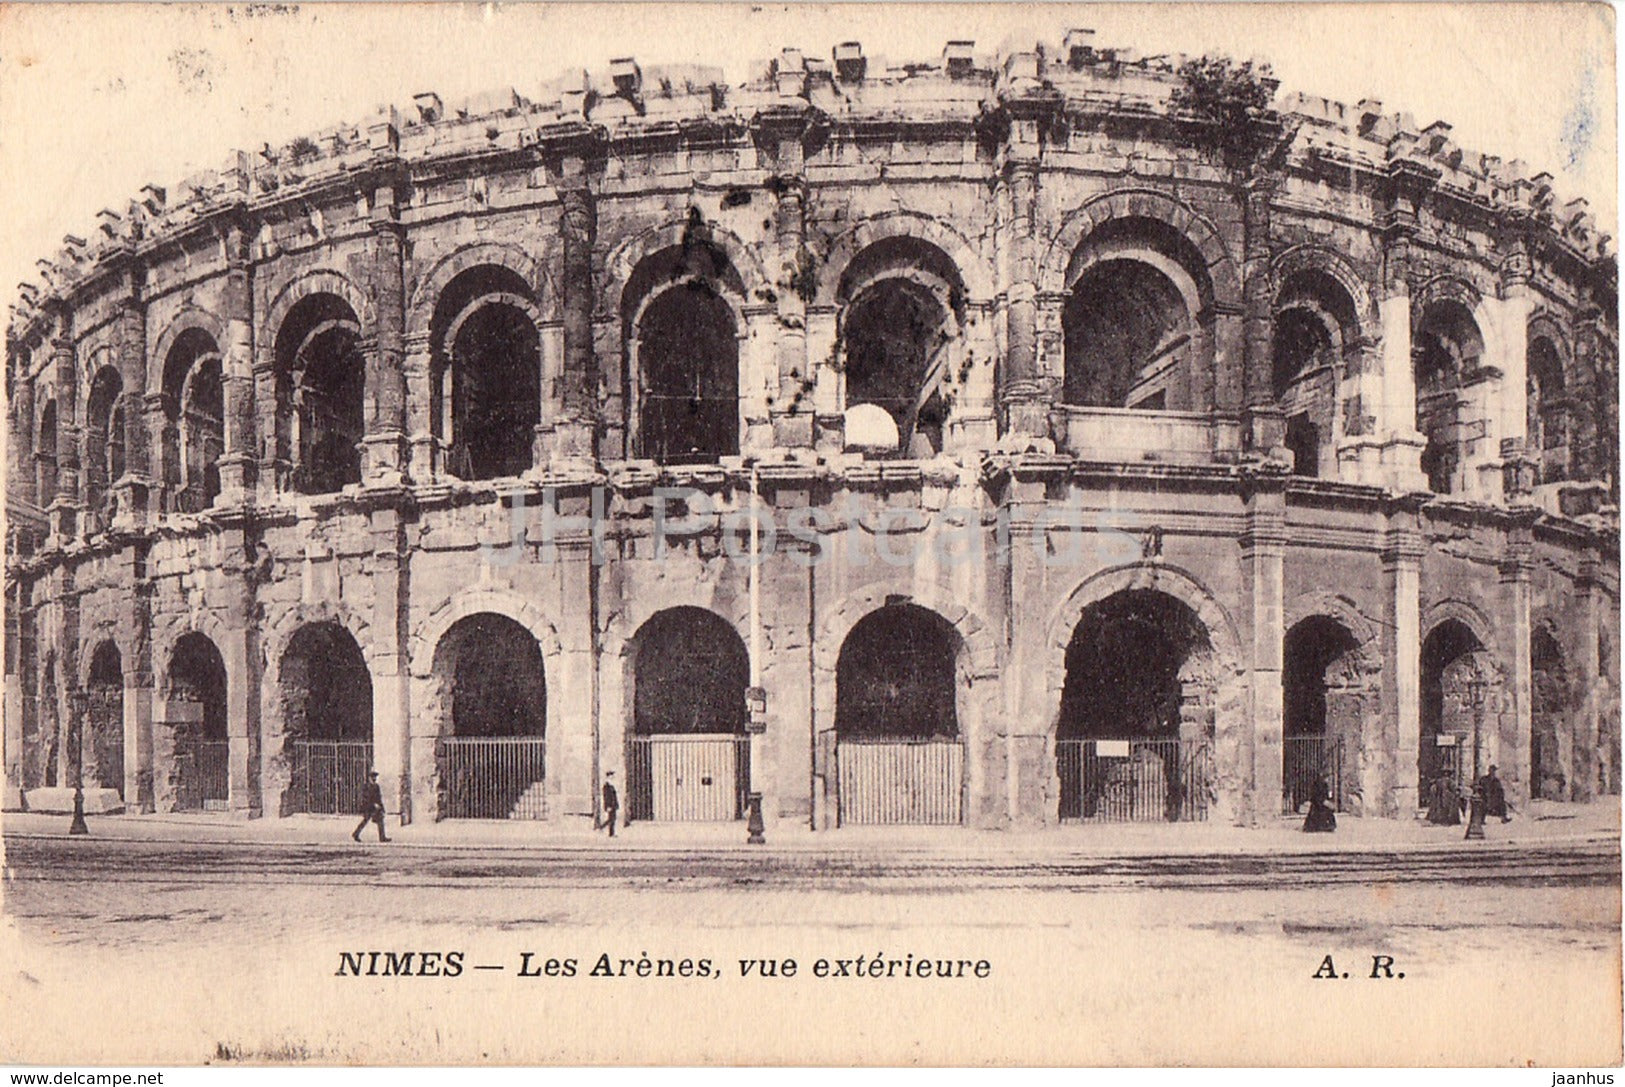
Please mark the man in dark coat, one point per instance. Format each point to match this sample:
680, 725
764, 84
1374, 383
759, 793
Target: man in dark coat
612, 802
1495, 796
372, 808
1321, 819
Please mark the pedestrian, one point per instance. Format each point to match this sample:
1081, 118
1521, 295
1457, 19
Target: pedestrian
1321, 819
372, 807
1444, 805
1495, 796
612, 802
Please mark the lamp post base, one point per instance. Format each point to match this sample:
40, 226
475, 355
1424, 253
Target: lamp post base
78, 826
753, 823
1475, 817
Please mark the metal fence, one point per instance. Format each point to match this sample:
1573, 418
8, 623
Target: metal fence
326, 777
703, 777
1134, 780
203, 774
492, 777
1304, 761
896, 781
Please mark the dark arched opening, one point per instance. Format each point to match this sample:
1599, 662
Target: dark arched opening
1457, 696
687, 757
1447, 351
194, 422
197, 715
1549, 717
487, 384
1132, 739
899, 747
1321, 710
45, 456
1316, 327
104, 445
492, 689
104, 756
326, 700
688, 363
321, 394
1547, 418
896, 335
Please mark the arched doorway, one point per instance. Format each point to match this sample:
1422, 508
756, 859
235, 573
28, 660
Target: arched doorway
487, 381
196, 728
1134, 737
1322, 707
900, 757
1316, 329
1135, 320
1549, 716
1448, 349
491, 757
321, 394
194, 410
103, 765
688, 755
325, 691
1459, 719
902, 305
682, 351
1547, 410
103, 458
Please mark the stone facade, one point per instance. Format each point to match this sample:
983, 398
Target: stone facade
1011, 358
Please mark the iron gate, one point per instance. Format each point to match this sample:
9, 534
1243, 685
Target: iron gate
1134, 781
703, 777
492, 777
900, 781
326, 777
1304, 761
203, 774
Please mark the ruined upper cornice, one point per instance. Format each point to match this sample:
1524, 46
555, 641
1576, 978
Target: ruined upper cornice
1075, 83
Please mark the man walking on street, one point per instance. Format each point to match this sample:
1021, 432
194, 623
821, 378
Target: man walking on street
612, 802
372, 807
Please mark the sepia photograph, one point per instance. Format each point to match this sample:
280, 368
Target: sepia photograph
874, 534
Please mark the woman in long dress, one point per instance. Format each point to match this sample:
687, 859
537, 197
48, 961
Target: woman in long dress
1321, 819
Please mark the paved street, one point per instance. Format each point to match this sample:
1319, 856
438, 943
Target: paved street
245, 942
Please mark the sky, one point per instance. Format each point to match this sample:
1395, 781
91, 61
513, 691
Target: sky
96, 101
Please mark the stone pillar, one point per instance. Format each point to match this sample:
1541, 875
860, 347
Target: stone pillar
384, 448
1516, 461
788, 618
11, 740
391, 661
138, 685
423, 458
20, 449
134, 488
64, 508
237, 366
783, 132
575, 432
1582, 773
1516, 724
1263, 553
1025, 393
575, 761
1402, 663
1265, 425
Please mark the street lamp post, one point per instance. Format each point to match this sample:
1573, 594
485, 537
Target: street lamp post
1476, 688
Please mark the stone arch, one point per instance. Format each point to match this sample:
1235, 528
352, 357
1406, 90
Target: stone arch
1309, 257
190, 318
981, 647
532, 270
1148, 204
1446, 287
1346, 703
280, 631
1158, 577
458, 606
302, 286
974, 272
625, 257
1470, 615
1456, 633
90, 641
166, 637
